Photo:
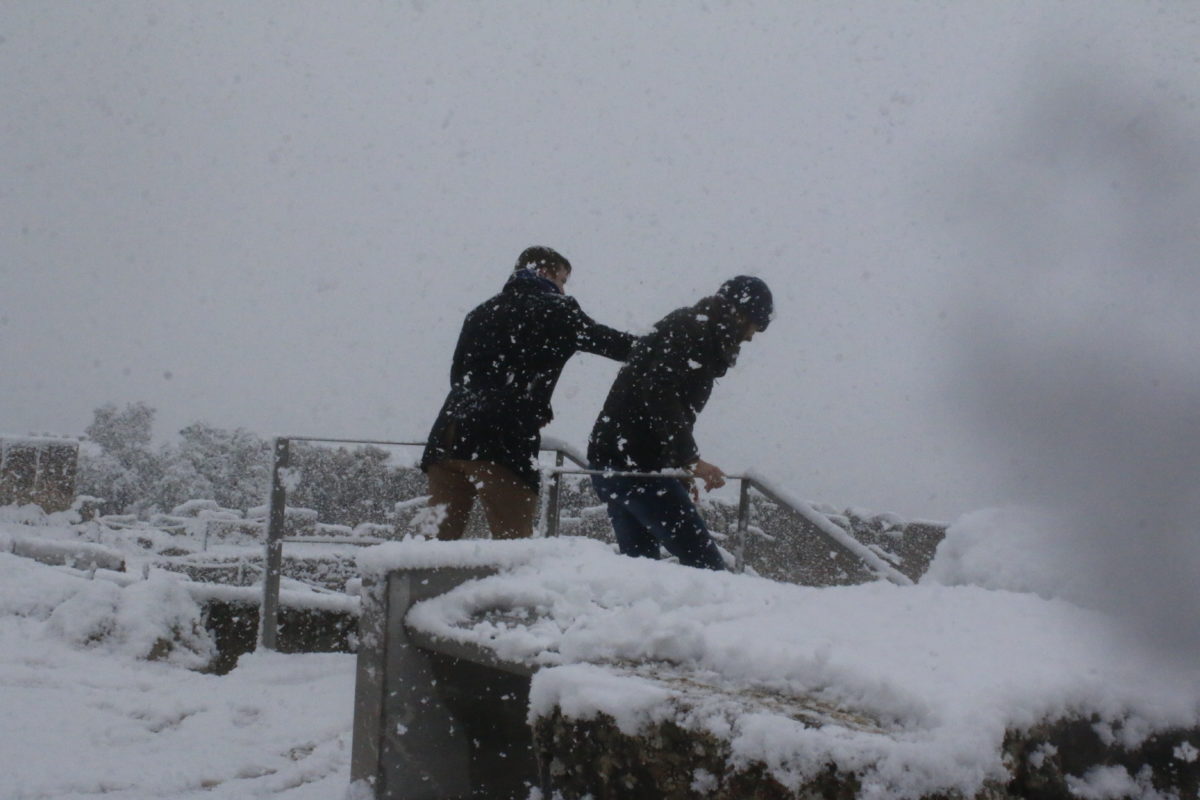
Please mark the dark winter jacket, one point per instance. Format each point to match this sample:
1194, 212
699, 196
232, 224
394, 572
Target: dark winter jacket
646, 423
510, 353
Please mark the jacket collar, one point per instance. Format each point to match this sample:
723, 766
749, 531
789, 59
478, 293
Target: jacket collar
526, 280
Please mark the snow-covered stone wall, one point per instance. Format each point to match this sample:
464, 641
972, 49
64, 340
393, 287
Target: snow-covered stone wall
650, 680
38, 469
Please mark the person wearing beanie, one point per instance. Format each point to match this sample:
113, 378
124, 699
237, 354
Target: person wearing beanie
647, 419
510, 353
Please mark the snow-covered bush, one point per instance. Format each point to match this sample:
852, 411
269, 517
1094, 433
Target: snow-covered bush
154, 619
89, 616
124, 471
230, 467
28, 514
235, 464
29, 593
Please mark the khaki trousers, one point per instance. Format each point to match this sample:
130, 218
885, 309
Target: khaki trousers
509, 504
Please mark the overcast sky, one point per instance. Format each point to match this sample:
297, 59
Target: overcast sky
275, 215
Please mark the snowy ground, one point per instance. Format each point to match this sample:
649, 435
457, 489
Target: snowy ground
999, 634
81, 719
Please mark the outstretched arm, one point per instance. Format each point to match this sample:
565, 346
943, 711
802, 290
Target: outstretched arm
608, 342
592, 337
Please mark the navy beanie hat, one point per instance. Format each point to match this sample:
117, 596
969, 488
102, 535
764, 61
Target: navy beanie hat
751, 297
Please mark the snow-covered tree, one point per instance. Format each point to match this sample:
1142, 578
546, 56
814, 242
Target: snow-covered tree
235, 465
232, 468
124, 432
125, 471
351, 486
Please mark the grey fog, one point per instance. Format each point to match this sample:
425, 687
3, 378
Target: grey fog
978, 220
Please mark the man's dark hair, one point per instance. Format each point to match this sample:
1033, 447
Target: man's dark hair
539, 257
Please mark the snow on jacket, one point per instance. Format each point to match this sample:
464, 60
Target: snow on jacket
509, 356
647, 419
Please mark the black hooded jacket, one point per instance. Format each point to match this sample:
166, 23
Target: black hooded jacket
509, 356
646, 423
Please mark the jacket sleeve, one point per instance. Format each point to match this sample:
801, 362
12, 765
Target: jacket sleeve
592, 337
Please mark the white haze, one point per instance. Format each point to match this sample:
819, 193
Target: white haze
1081, 365
274, 215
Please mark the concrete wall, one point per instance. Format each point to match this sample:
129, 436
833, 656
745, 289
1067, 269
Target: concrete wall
234, 627
434, 724
437, 719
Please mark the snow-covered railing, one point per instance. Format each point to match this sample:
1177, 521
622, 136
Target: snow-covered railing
282, 479
837, 538
836, 535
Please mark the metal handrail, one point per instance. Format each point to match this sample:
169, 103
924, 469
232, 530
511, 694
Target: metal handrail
837, 538
329, 440
268, 629
743, 526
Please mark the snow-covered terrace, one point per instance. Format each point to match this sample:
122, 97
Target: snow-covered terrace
915, 687
933, 676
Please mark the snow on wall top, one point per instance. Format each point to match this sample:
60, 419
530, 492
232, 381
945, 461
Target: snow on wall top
947, 670
422, 554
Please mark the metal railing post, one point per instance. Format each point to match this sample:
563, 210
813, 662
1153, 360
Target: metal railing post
268, 629
743, 525
554, 500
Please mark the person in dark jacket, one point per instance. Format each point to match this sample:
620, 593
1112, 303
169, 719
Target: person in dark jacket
510, 353
647, 419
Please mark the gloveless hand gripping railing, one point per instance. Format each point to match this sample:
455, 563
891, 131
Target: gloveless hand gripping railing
836, 537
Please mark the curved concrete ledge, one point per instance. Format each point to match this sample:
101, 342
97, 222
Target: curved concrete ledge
80, 555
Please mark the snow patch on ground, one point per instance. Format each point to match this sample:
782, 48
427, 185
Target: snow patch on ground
98, 693
85, 714
151, 619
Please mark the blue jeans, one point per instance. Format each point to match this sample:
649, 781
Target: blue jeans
648, 512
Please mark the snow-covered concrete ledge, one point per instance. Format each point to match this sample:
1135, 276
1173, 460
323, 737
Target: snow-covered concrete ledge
896, 691
90, 560
434, 716
81, 555
310, 621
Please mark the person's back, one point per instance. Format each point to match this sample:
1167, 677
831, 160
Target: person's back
647, 419
508, 359
513, 347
